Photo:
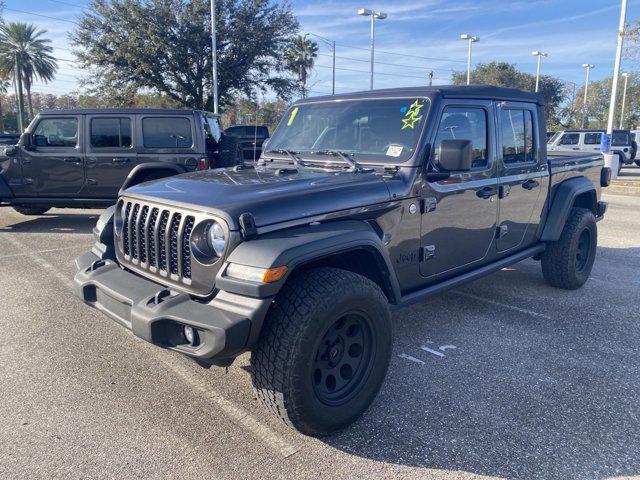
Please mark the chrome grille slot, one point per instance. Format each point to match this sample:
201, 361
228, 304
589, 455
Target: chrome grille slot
173, 244
186, 246
125, 230
153, 238
133, 228
162, 240
142, 234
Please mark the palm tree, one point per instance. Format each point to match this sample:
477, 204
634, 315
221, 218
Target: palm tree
301, 58
5, 84
23, 48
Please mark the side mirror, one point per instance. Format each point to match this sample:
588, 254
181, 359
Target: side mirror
25, 139
455, 155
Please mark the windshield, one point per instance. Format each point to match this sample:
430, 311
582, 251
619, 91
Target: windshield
376, 130
554, 137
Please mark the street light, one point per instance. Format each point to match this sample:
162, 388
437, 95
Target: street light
624, 98
471, 39
380, 16
538, 54
588, 67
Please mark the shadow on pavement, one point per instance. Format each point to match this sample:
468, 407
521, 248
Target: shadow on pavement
521, 396
52, 223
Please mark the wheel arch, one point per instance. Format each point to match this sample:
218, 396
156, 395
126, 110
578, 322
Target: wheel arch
574, 192
142, 171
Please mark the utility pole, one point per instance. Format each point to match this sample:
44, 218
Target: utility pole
214, 57
431, 78
332, 45
588, 67
624, 99
538, 54
18, 79
381, 16
471, 39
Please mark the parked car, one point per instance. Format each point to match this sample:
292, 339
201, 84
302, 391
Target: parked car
362, 202
81, 158
251, 137
622, 143
9, 138
550, 134
636, 138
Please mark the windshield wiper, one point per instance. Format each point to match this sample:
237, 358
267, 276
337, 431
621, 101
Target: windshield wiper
290, 153
353, 165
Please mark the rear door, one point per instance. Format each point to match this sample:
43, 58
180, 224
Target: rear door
459, 218
569, 142
523, 175
591, 141
169, 138
54, 166
111, 153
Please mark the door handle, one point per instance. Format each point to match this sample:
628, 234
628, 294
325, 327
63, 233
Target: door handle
530, 184
119, 160
487, 192
72, 160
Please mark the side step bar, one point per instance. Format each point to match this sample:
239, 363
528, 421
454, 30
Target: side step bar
437, 288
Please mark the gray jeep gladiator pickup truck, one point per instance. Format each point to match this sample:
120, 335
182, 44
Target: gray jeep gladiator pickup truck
360, 203
81, 158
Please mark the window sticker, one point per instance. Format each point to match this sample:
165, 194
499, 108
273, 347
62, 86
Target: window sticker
394, 150
412, 114
292, 116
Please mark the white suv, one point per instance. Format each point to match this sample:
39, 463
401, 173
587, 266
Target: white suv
622, 143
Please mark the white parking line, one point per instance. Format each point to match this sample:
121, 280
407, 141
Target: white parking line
237, 414
13, 255
411, 359
435, 352
500, 304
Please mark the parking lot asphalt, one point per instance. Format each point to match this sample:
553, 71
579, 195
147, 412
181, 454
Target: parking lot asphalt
504, 377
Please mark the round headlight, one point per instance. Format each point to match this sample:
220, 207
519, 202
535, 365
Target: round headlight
216, 239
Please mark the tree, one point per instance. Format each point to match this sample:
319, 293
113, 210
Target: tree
301, 58
5, 84
164, 46
26, 55
504, 74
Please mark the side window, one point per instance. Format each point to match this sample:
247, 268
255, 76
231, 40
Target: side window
110, 133
518, 144
56, 132
570, 139
620, 139
592, 138
166, 132
465, 123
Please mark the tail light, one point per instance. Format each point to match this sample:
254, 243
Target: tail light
203, 164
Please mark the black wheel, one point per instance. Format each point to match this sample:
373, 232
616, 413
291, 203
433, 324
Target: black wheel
567, 263
620, 163
638, 163
230, 152
31, 210
324, 350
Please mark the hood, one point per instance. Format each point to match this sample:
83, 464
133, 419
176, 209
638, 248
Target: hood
269, 196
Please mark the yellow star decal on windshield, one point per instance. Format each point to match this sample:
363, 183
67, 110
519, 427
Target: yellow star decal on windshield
409, 122
412, 116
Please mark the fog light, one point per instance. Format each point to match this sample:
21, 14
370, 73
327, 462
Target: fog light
190, 334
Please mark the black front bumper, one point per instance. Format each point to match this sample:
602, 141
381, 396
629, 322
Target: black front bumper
225, 326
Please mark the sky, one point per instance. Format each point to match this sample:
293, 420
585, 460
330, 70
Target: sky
417, 37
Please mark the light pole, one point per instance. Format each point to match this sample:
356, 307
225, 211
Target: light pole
380, 16
624, 99
471, 39
539, 54
588, 67
214, 57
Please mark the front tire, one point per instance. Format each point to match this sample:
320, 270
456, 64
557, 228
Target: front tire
31, 210
567, 263
324, 350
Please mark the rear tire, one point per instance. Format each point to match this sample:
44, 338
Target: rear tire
31, 210
620, 163
567, 263
230, 152
324, 350
638, 163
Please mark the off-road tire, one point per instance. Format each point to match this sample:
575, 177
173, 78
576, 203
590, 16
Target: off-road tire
620, 163
564, 264
230, 152
31, 210
638, 163
284, 361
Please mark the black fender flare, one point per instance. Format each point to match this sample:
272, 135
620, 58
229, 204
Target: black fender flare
563, 201
139, 172
298, 246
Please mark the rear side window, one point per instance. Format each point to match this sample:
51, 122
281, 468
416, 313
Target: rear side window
166, 132
620, 139
570, 139
56, 132
111, 133
235, 131
465, 123
518, 145
592, 138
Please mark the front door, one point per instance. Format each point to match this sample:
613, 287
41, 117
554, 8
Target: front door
460, 213
523, 176
111, 153
54, 165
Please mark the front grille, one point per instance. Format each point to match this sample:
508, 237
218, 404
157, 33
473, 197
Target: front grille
157, 240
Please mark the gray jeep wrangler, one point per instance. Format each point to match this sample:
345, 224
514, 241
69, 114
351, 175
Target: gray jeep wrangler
360, 203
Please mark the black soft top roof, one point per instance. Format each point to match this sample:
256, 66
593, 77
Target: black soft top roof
488, 92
